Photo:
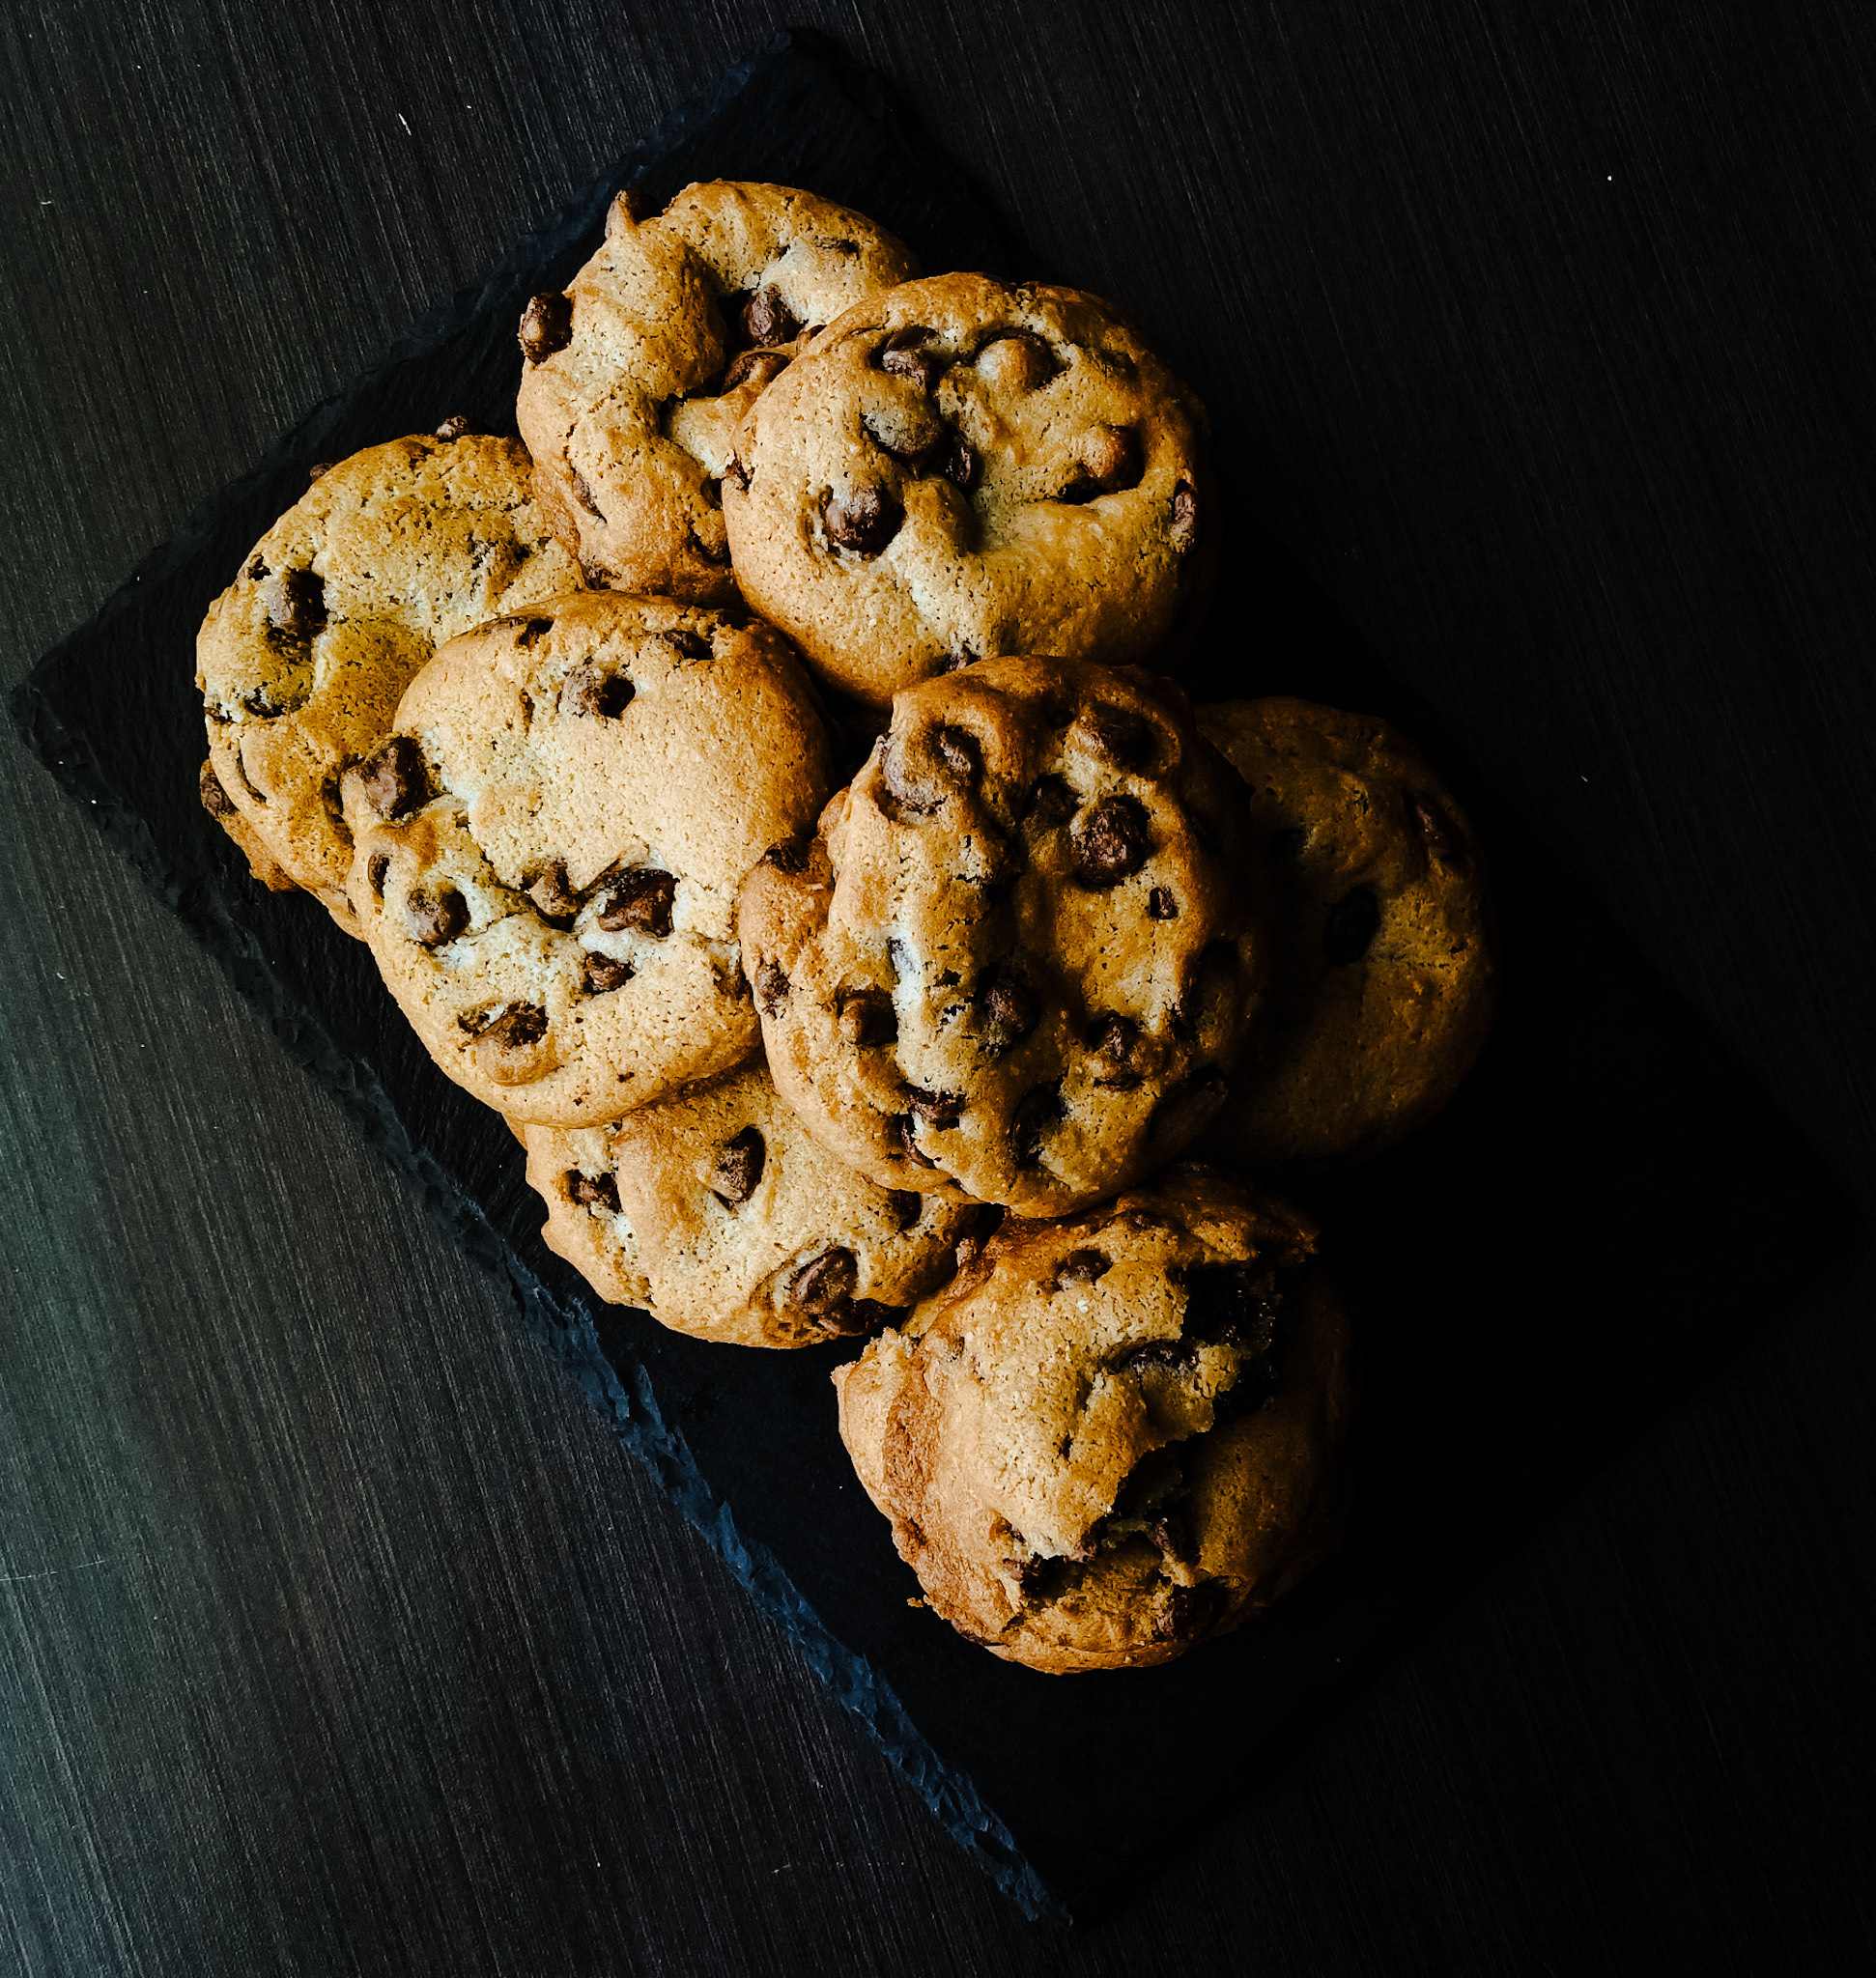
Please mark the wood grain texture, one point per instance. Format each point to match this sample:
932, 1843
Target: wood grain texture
334, 1634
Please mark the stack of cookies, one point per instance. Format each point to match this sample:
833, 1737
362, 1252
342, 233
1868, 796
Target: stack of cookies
762, 784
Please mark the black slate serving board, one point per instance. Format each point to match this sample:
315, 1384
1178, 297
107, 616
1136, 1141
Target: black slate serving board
1605, 1207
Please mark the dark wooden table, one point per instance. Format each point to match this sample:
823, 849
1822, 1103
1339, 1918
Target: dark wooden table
336, 1635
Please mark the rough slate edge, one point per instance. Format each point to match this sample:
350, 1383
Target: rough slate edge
570, 1334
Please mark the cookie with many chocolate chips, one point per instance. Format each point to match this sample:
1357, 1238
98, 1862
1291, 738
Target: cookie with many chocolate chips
1385, 969
718, 1212
636, 377
1114, 1437
1027, 946
301, 659
548, 847
959, 469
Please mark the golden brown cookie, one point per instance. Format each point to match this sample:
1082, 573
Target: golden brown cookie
548, 847
959, 469
1386, 968
1026, 947
636, 377
1114, 1437
301, 659
717, 1212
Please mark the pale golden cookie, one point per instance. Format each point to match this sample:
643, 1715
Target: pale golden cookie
1114, 1437
1385, 973
550, 846
636, 375
959, 469
1026, 947
717, 1212
301, 659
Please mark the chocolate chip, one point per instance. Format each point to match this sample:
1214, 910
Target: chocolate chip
584, 494
1186, 516
771, 987
736, 475
546, 327
935, 1109
957, 749
865, 520
1352, 926
1032, 366
395, 780
519, 1025
295, 602
763, 366
595, 572
1039, 1109
593, 1191
320, 469
1113, 1040
434, 918
1191, 1612
960, 463
1112, 842
687, 645
867, 1017
641, 899
899, 1140
1051, 803
1161, 905
216, 801
739, 1168
768, 320
552, 894
824, 1283
457, 427
790, 855
1011, 1009
901, 957
590, 693
1125, 738
903, 356
601, 975
1442, 840
377, 869
1113, 458
1081, 1267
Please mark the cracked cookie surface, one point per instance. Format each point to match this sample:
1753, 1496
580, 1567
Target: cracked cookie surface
301, 659
1027, 945
1115, 1435
1385, 974
960, 470
716, 1211
549, 843
636, 375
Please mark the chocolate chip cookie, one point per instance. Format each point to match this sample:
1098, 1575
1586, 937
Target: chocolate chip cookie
1114, 1437
1385, 974
301, 659
716, 1211
959, 469
1027, 945
637, 375
548, 847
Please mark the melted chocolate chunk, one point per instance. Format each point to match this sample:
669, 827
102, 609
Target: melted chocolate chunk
771, 987
519, 1025
1186, 516
736, 475
960, 463
593, 694
768, 320
295, 602
593, 1191
552, 893
216, 801
1161, 905
763, 366
1352, 927
865, 1017
584, 494
1081, 1267
825, 1284
739, 1168
903, 356
435, 918
546, 327
1113, 1039
320, 469
1012, 1010
790, 855
376, 868
1112, 842
899, 1139
601, 973
641, 899
865, 520
934, 1108
458, 427
395, 780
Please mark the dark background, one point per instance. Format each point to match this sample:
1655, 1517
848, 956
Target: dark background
335, 1632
